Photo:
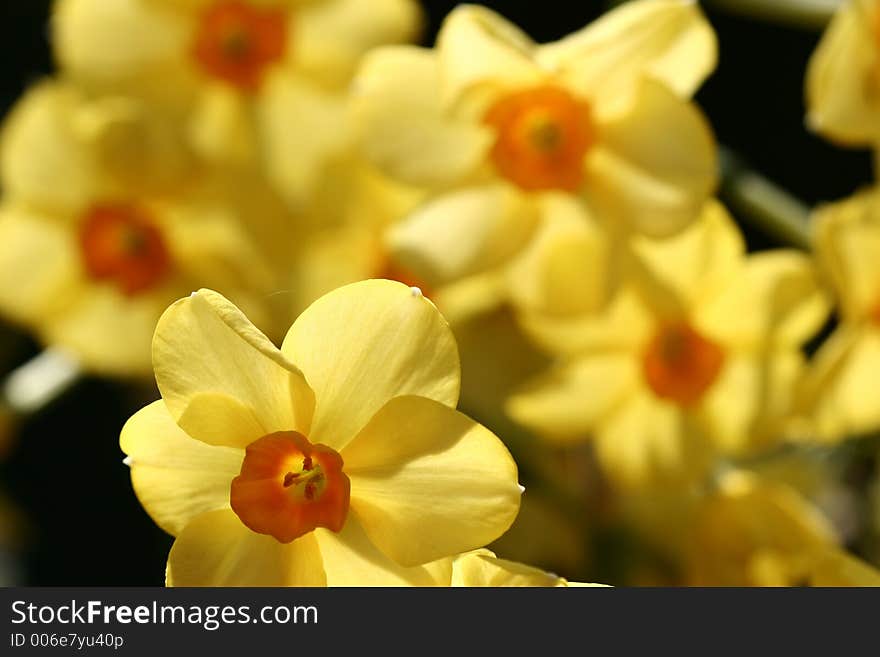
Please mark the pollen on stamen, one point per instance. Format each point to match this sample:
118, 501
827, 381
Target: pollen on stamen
416, 292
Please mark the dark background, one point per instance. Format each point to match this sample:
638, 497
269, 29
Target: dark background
81, 521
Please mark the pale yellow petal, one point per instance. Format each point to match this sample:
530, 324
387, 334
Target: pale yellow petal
481, 53
670, 40
567, 402
690, 269
366, 343
843, 78
221, 128
39, 265
216, 549
204, 346
175, 477
834, 567
428, 482
400, 123
351, 559
655, 162
482, 568
329, 38
462, 233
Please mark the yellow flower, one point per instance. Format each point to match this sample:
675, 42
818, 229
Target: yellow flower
698, 354
602, 113
483, 568
336, 460
838, 395
843, 78
89, 256
751, 532
253, 80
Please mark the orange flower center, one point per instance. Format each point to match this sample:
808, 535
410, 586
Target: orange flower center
543, 135
120, 243
288, 487
236, 42
680, 364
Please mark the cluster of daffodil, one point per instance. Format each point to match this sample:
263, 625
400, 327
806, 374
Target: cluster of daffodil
529, 228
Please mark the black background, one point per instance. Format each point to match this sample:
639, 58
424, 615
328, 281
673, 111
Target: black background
83, 524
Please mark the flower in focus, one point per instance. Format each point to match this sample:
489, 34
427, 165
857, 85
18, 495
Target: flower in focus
483, 568
752, 532
91, 253
843, 78
837, 397
252, 81
338, 459
698, 355
602, 113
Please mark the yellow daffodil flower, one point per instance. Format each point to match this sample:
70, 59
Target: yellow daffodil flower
253, 80
483, 568
89, 259
339, 459
602, 113
751, 532
837, 398
698, 354
843, 77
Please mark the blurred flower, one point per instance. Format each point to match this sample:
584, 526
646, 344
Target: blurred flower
483, 568
752, 532
89, 258
843, 78
253, 81
337, 460
837, 398
603, 113
698, 355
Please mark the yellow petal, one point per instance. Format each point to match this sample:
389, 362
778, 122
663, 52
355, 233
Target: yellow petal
43, 157
649, 441
125, 44
482, 568
775, 299
463, 233
671, 40
834, 567
301, 128
690, 269
366, 343
31, 294
843, 80
401, 125
481, 52
847, 242
428, 482
567, 402
175, 477
215, 549
204, 345
221, 128
351, 559
329, 38
838, 393
655, 162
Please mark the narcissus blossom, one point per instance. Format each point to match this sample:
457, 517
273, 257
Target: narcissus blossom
697, 355
93, 244
339, 459
603, 113
843, 78
483, 568
838, 396
253, 81
753, 532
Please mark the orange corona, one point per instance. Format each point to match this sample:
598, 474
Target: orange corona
543, 136
121, 244
680, 364
236, 42
288, 487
